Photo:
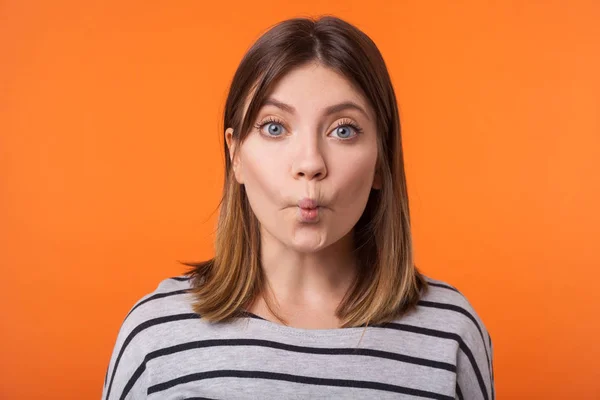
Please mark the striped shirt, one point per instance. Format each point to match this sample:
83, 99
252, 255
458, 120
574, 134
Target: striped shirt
439, 350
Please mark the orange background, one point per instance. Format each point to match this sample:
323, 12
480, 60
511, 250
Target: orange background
111, 169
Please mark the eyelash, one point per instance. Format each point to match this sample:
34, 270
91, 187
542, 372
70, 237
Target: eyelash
343, 122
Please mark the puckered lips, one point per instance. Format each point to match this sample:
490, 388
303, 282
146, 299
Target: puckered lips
308, 210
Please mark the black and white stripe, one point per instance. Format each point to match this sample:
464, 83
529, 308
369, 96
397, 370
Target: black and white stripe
484, 378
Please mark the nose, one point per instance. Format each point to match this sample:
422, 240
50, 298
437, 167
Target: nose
308, 162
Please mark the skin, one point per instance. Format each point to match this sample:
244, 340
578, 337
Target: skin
305, 154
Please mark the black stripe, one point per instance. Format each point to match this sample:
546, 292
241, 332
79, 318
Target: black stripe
137, 373
446, 335
453, 307
198, 398
250, 315
469, 355
180, 278
176, 292
443, 286
143, 326
458, 309
155, 297
459, 394
489, 360
297, 379
408, 328
492, 368
282, 346
304, 349
396, 326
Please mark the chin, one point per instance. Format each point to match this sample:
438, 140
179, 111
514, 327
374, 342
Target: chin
308, 243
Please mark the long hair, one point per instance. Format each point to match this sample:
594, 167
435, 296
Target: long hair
388, 283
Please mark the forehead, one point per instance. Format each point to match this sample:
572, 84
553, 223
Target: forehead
315, 82
312, 87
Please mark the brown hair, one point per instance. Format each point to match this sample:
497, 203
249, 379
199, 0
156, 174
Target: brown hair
388, 283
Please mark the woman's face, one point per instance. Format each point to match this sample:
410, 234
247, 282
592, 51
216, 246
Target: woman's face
308, 165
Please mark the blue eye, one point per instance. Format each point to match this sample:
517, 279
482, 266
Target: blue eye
275, 127
343, 131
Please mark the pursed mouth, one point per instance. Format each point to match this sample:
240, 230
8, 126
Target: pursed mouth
309, 215
308, 204
308, 208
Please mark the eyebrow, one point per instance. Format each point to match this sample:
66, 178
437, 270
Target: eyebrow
346, 105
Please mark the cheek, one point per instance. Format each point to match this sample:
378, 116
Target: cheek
357, 172
263, 172
355, 182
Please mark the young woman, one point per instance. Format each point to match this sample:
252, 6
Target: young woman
312, 293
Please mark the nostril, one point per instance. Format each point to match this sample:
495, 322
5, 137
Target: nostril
310, 175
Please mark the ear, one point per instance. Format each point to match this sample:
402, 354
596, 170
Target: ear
232, 144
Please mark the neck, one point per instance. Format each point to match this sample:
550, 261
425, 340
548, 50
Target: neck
314, 282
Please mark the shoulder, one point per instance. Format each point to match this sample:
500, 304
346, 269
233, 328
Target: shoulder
170, 296
169, 301
447, 310
448, 304
143, 330
169, 293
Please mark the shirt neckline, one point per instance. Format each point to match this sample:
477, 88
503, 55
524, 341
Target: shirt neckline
260, 321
